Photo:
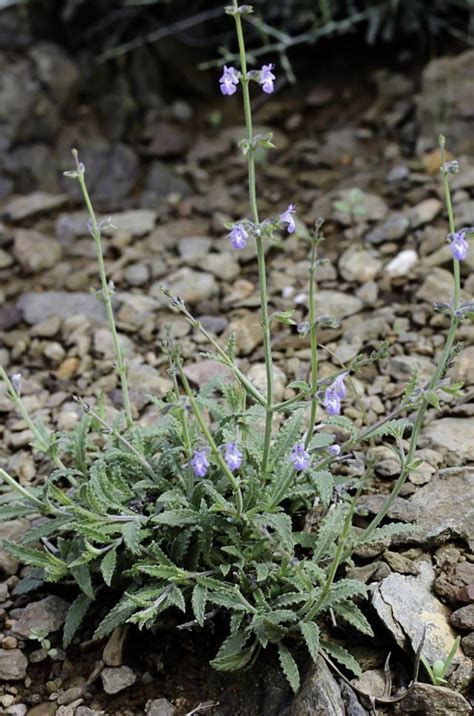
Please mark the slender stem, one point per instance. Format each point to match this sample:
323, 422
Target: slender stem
21, 490
262, 279
210, 440
313, 338
106, 293
186, 438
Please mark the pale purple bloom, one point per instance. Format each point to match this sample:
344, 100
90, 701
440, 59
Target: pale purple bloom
458, 245
233, 457
267, 78
229, 80
200, 463
239, 237
334, 450
336, 392
16, 382
287, 218
338, 386
300, 457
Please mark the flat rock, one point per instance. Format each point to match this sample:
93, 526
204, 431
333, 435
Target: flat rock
36, 307
48, 614
402, 263
437, 286
359, 265
13, 665
117, 679
463, 618
400, 509
248, 332
160, 707
12, 530
425, 212
22, 207
435, 700
393, 228
35, 251
401, 367
205, 370
191, 286
338, 304
320, 694
406, 606
136, 222
453, 436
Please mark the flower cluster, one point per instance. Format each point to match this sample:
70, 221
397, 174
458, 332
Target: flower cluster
233, 457
239, 234
300, 457
230, 78
458, 245
200, 463
335, 393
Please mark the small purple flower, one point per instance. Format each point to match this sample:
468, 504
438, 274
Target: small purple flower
287, 218
331, 403
229, 80
16, 382
267, 78
200, 463
239, 237
300, 457
338, 386
233, 457
458, 245
334, 450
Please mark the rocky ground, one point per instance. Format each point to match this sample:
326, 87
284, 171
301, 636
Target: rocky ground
371, 147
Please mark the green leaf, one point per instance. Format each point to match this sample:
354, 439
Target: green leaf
282, 525
131, 536
310, 632
108, 564
233, 654
432, 399
289, 666
198, 601
54, 567
352, 614
342, 656
76, 613
177, 518
116, 617
285, 317
324, 482
320, 440
82, 576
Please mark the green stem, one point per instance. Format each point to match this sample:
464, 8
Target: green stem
106, 293
20, 489
259, 242
186, 439
313, 329
210, 440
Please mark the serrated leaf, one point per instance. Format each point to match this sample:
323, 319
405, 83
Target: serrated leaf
432, 399
341, 655
281, 524
131, 536
353, 615
76, 613
116, 617
108, 564
289, 667
177, 518
320, 440
310, 632
234, 653
82, 576
198, 601
324, 482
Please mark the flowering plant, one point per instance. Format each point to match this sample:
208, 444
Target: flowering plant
213, 507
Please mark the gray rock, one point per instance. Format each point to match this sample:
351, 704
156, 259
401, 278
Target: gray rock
401, 367
248, 333
258, 376
203, 371
436, 700
38, 202
359, 265
12, 530
191, 286
393, 228
116, 679
339, 304
320, 694
402, 263
452, 436
366, 207
445, 505
36, 307
160, 183
56, 72
13, 665
463, 618
467, 643
463, 369
48, 614
425, 212
137, 274
437, 286
159, 707
400, 509
136, 222
113, 651
192, 247
35, 251
406, 606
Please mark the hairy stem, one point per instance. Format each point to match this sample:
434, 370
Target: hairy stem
21, 490
313, 338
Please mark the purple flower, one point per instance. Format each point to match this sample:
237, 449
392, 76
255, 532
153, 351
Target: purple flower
239, 237
334, 450
200, 463
300, 457
336, 392
233, 457
267, 78
458, 245
229, 80
16, 382
287, 218
338, 386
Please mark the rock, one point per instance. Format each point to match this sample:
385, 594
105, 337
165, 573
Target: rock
167, 139
159, 707
194, 247
401, 367
137, 274
116, 679
203, 371
23, 207
192, 286
437, 286
47, 328
48, 614
402, 263
362, 207
463, 369
424, 212
37, 307
13, 664
113, 651
70, 695
406, 606
258, 376
104, 345
34, 251
359, 265
45, 709
136, 222
436, 700
145, 380
454, 579
446, 99
453, 436
12, 530
372, 681
467, 643
400, 509
398, 563
225, 266
248, 333
393, 228
463, 618
320, 694
160, 183
338, 304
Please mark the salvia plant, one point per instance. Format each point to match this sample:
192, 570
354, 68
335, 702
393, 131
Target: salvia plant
230, 502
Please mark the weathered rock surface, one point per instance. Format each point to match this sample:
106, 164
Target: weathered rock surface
436, 700
116, 679
13, 665
48, 614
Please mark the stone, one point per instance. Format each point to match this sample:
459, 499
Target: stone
225, 266
113, 651
359, 265
104, 345
401, 367
13, 664
167, 139
34, 251
463, 369
146, 380
47, 708
454, 579
258, 376
453, 436
203, 371
248, 332
402, 263
160, 183
463, 618
398, 563
406, 606
393, 228
194, 247
38, 202
424, 212
70, 695
437, 286
192, 286
320, 694
365, 207
467, 643
136, 222
436, 700
37, 307
48, 614
47, 328
137, 274
116, 679
338, 304
6, 259
159, 707
12, 530
400, 510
